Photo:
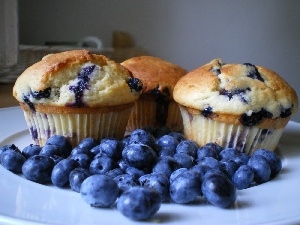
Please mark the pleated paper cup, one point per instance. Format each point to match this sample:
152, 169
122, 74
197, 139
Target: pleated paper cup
97, 123
246, 139
147, 112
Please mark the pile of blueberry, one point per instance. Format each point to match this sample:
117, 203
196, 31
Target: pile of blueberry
143, 170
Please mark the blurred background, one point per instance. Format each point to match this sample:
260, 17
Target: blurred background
189, 33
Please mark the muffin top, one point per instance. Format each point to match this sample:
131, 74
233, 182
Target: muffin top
157, 75
76, 79
250, 92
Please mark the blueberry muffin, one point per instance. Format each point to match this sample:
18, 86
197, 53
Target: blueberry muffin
76, 94
156, 106
235, 105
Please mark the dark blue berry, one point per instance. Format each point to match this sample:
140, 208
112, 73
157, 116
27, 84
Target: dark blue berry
206, 112
157, 181
184, 160
230, 167
111, 147
167, 141
273, 160
77, 176
135, 172
50, 150
210, 162
62, 142
31, 150
83, 159
61, 171
218, 189
253, 72
139, 203
125, 182
188, 147
243, 177
176, 173
81, 86
99, 191
261, 168
114, 172
102, 164
139, 155
38, 169
41, 94
166, 165
186, 187
12, 160
229, 153
140, 136
135, 84
178, 136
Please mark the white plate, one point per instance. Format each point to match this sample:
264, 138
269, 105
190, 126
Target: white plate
25, 202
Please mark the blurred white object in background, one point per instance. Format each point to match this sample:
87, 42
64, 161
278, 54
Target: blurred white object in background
8, 33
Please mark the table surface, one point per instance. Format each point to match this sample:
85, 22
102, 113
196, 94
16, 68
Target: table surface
6, 97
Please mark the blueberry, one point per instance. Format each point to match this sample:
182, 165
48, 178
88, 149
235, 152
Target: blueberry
99, 191
41, 94
125, 141
261, 168
12, 160
31, 150
186, 187
114, 172
49, 150
82, 84
176, 173
61, 171
83, 159
102, 164
123, 164
87, 143
139, 155
230, 167
140, 136
273, 160
159, 182
135, 172
95, 150
38, 168
253, 72
229, 153
86, 151
214, 146
255, 117
200, 169
206, 112
243, 177
184, 160
187, 146
167, 141
77, 176
210, 162
8, 147
62, 142
241, 159
206, 151
111, 147
178, 136
56, 159
139, 203
166, 165
218, 189
235, 92
135, 84
166, 151
125, 182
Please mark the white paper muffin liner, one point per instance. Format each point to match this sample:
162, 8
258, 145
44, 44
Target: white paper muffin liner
203, 130
76, 126
144, 114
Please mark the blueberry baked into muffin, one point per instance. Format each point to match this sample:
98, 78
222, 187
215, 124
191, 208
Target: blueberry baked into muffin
156, 106
76, 94
235, 105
